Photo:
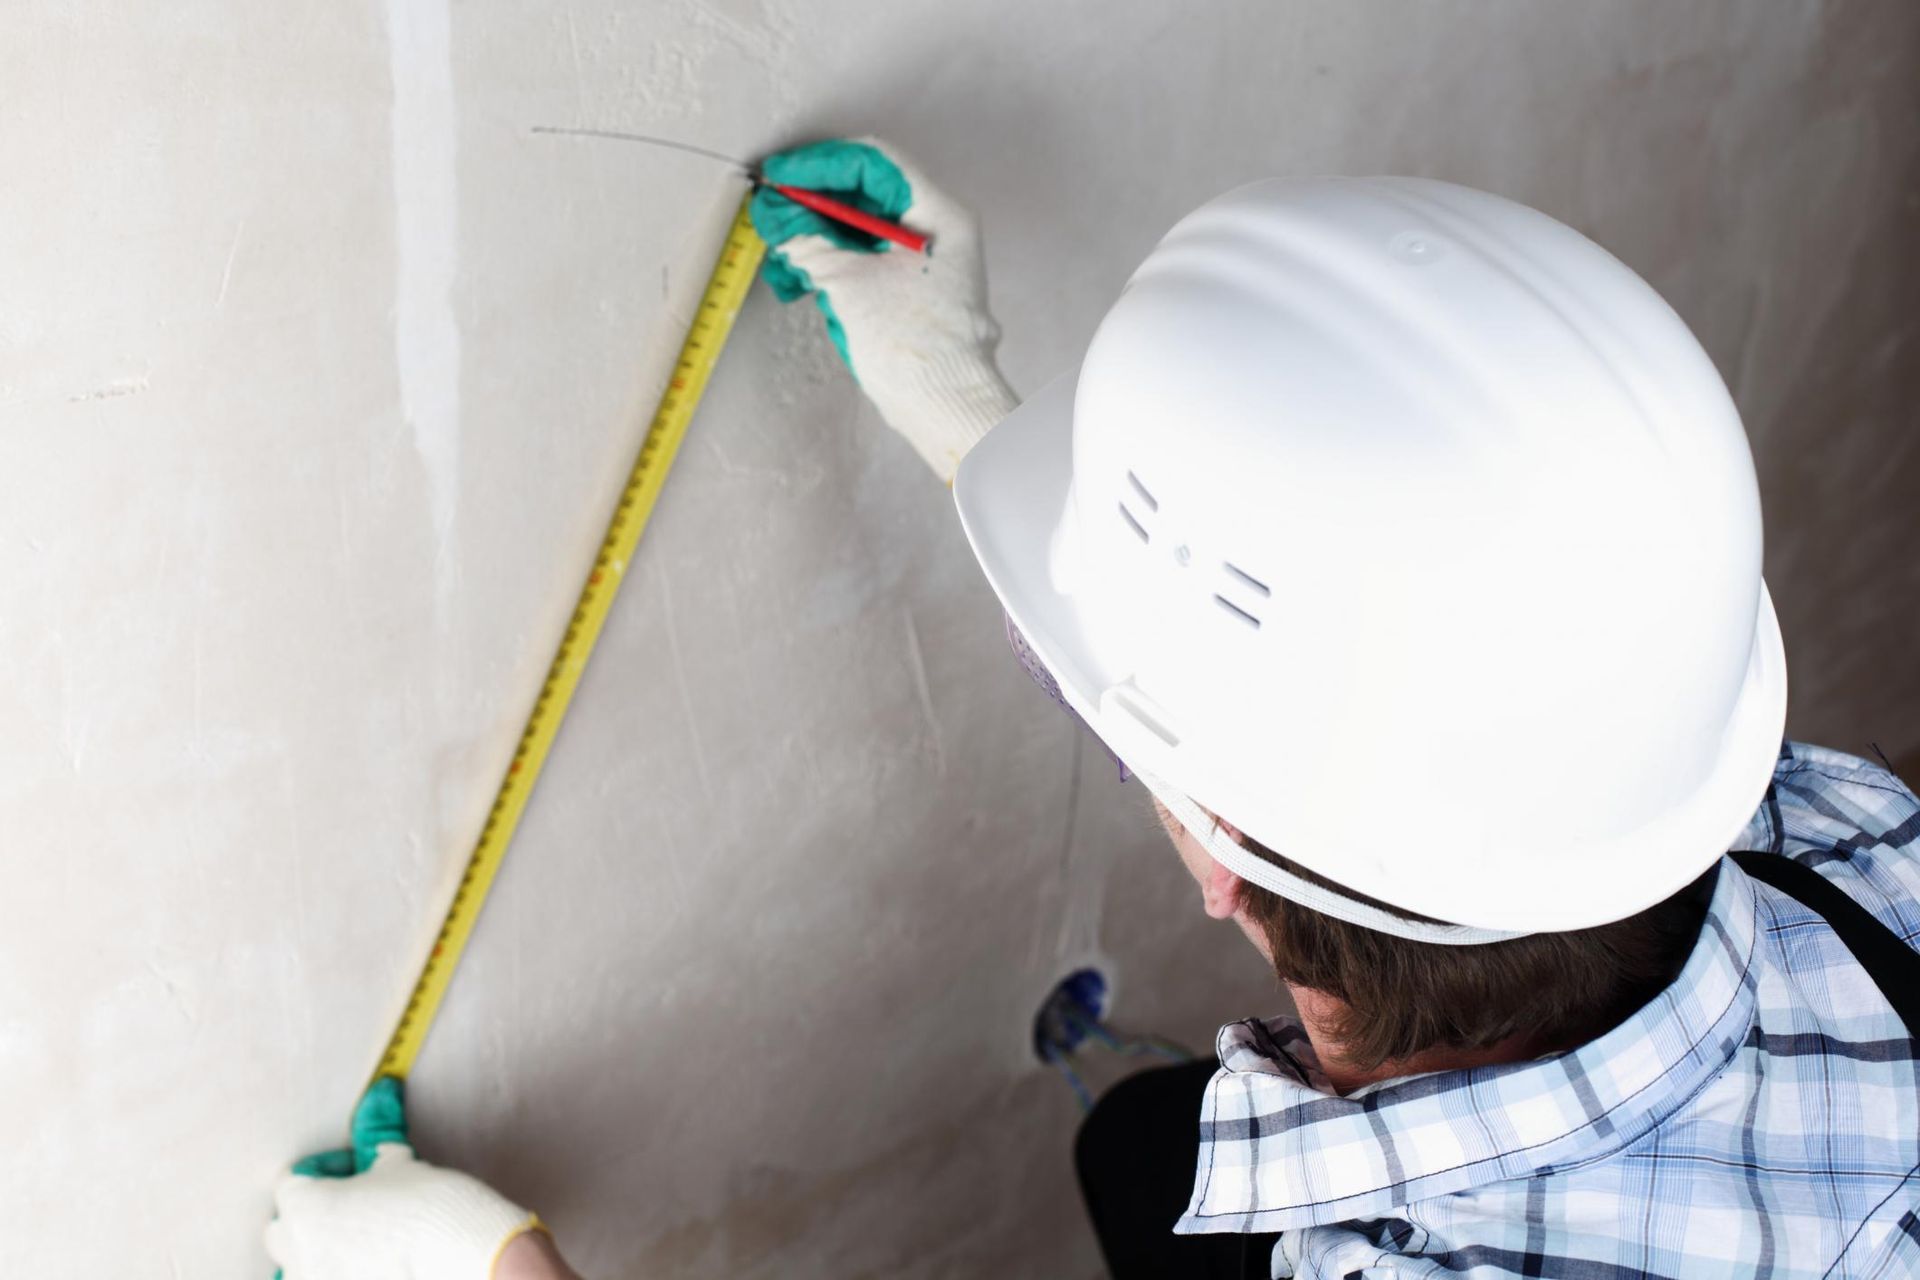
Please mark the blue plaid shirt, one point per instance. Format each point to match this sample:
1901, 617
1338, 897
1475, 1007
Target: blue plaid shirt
1761, 1117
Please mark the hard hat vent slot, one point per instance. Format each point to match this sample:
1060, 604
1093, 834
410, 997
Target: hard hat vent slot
1237, 612
1153, 504
1142, 499
1248, 581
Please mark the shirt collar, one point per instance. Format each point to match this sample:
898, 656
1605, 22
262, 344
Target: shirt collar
1278, 1149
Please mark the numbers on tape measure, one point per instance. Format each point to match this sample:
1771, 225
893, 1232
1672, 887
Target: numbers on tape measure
725, 292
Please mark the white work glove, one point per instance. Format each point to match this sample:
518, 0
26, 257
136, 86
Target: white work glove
375, 1212
913, 327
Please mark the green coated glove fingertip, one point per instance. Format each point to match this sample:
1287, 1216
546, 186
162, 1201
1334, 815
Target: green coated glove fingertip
379, 1120
857, 172
854, 172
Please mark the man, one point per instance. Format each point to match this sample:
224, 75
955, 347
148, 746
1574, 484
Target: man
1407, 547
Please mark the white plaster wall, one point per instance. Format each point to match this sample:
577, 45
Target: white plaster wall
317, 375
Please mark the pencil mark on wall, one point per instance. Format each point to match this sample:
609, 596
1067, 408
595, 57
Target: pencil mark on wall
226, 272
925, 692
1069, 912
680, 686
579, 66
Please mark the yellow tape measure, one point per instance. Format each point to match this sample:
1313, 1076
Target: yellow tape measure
726, 291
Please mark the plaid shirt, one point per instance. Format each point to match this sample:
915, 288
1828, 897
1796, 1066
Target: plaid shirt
1761, 1117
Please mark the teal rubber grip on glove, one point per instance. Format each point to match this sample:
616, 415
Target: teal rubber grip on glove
379, 1119
857, 173
913, 328
374, 1211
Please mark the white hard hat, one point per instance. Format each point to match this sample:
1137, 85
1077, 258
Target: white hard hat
1411, 533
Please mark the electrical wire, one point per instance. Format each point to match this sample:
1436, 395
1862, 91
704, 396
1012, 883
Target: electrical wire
1066, 1025
1072, 1078
1130, 1046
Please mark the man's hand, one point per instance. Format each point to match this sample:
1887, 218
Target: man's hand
914, 328
375, 1212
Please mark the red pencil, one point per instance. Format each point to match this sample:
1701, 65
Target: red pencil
828, 207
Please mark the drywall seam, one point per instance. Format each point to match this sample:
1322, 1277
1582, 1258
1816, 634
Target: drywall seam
426, 338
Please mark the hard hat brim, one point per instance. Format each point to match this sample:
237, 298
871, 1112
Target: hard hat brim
1013, 491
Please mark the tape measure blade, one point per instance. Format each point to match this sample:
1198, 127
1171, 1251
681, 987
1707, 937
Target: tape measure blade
726, 291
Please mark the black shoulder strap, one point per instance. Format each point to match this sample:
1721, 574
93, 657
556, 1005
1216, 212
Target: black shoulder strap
1893, 966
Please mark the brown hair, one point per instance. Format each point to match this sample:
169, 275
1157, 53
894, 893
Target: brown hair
1557, 990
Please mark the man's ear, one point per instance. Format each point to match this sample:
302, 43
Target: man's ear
1223, 888
1221, 891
